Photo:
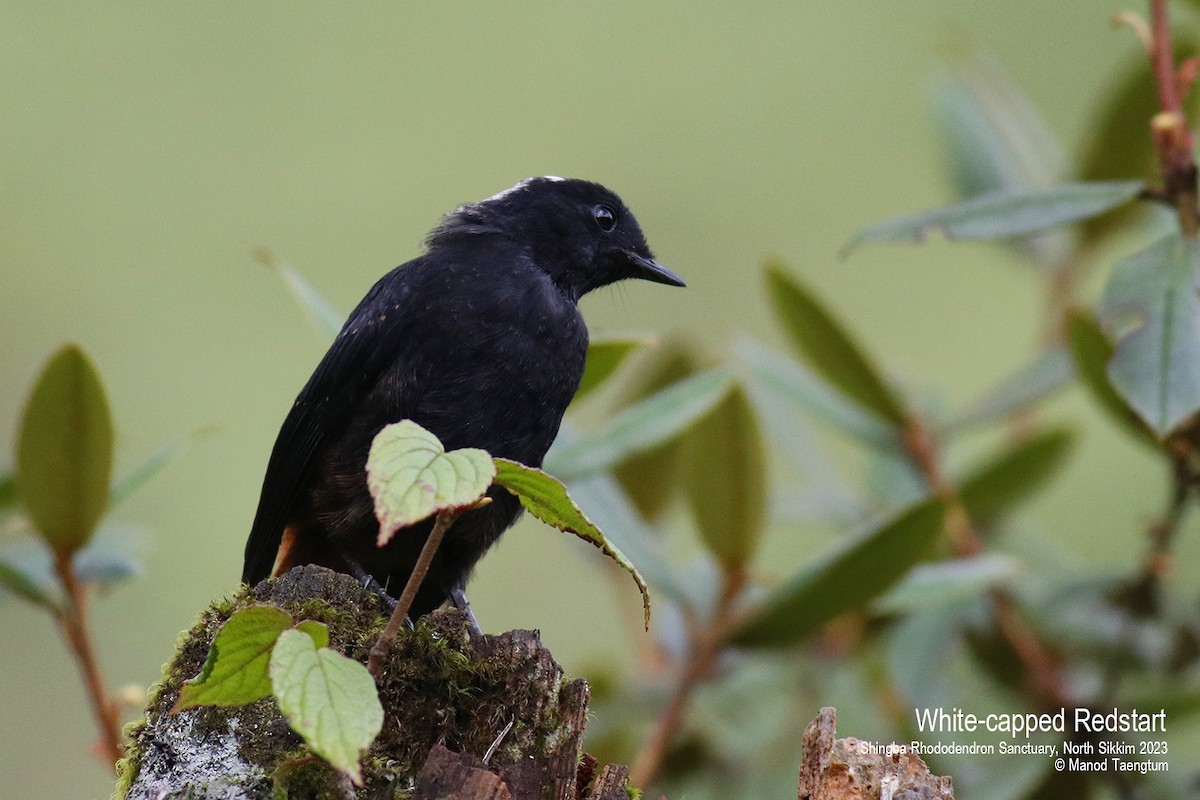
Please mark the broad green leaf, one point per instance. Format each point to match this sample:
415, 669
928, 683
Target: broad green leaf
997, 487
1004, 213
1152, 310
547, 499
142, 473
726, 480
789, 385
1092, 352
651, 478
235, 672
320, 311
8, 493
604, 355
997, 140
829, 348
947, 582
330, 700
640, 427
411, 476
64, 451
1048, 373
317, 631
600, 498
13, 579
848, 576
1118, 143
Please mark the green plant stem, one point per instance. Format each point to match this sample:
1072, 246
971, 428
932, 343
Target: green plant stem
383, 645
72, 618
704, 651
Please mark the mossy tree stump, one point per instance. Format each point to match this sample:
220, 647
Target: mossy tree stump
449, 698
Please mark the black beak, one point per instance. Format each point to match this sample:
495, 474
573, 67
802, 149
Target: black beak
647, 269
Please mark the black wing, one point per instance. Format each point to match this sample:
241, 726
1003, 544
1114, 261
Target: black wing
351, 367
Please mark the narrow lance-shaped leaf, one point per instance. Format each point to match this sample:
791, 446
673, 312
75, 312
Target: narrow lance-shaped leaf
16, 581
849, 576
330, 700
1092, 351
726, 480
1152, 309
1118, 142
64, 451
8, 492
412, 477
641, 427
997, 140
829, 348
946, 582
604, 355
1002, 484
320, 311
235, 672
790, 385
547, 499
1004, 213
154, 463
1048, 373
651, 477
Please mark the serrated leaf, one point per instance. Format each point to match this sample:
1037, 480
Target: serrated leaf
1152, 311
828, 347
947, 582
995, 489
14, 580
726, 480
321, 313
1004, 213
330, 700
1044, 376
788, 383
604, 355
641, 427
151, 466
848, 576
235, 672
1092, 351
64, 451
547, 499
412, 477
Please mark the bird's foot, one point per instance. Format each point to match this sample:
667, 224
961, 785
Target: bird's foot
458, 599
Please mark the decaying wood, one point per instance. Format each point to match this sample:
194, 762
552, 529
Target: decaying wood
849, 769
450, 699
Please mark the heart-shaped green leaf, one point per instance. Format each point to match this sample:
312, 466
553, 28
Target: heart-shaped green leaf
64, 453
330, 700
412, 477
235, 671
547, 499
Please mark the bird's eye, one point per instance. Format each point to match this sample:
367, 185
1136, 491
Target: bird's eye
605, 217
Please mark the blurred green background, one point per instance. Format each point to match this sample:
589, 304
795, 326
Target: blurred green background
148, 149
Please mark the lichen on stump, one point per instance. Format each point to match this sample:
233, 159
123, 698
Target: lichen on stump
441, 685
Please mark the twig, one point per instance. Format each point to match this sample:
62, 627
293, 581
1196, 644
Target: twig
72, 618
443, 522
1173, 139
705, 648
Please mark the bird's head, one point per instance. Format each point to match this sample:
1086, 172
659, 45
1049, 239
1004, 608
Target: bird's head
578, 232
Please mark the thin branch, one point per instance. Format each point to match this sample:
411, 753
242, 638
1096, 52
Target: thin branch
705, 648
72, 618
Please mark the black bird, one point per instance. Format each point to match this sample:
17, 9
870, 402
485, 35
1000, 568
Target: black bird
480, 341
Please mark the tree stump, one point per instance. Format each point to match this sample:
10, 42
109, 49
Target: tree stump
450, 698
842, 769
